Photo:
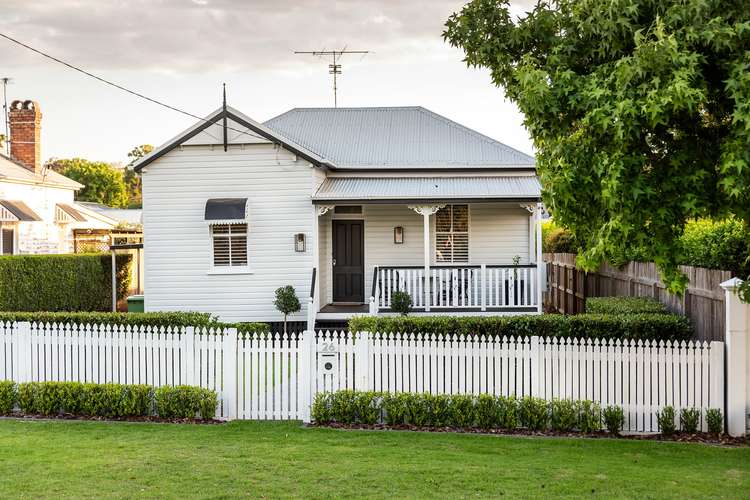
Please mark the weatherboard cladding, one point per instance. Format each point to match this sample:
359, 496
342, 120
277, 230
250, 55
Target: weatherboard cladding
393, 137
428, 188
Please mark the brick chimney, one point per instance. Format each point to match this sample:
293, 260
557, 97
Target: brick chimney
25, 130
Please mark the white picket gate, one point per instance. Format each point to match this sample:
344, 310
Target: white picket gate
274, 377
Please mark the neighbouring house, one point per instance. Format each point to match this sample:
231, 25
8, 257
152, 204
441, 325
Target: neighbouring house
38, 213
347, 205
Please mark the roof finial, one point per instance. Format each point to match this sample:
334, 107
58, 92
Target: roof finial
224, 113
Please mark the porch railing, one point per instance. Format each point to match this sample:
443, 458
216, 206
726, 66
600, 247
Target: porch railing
469, 287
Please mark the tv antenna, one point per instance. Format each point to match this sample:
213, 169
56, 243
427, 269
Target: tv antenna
5, 80
335, 68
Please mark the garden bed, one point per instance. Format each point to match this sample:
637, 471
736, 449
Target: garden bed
680, 437
152, 419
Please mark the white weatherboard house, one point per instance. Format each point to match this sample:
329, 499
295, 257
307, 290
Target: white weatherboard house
38, 214
345, 204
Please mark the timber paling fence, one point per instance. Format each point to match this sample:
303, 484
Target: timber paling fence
275, 377
703, 302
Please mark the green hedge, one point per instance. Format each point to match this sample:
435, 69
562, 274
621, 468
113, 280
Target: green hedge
164, 319
602, 326
624, 305
65, 282
107, 400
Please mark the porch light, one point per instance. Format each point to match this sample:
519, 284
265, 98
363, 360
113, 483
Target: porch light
299, 242
398, 235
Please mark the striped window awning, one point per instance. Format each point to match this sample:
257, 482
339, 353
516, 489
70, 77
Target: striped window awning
65, 213
227, 211
16, 211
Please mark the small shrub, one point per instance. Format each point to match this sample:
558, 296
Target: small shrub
395, 408
367, 407
690, 420
401, 302
438, 410
533, 413
344, 406
462, 412
102, 400
286, 302
26, 393
564, 415
589, 416
48, 398
321, 408
715, 421
665, 420
559, 240
7, 396
207, 403
487, 411
614, 419
507, 412
624, 305
183, 401
418, 410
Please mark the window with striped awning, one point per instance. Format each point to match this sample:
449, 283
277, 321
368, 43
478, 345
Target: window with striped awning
229, 245
452, 234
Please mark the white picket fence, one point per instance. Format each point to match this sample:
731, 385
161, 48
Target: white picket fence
275, 377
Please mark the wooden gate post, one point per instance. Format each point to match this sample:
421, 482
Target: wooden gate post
738, 370
229, 392
307, 373
22, 352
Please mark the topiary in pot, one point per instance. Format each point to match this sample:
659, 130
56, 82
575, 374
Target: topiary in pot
286, 301
401, 302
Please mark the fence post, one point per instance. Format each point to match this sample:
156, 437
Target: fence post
229, 392
484, 288
307, 373
362, 361
737, 359
716, 375
188, 341
22, 351
536, 364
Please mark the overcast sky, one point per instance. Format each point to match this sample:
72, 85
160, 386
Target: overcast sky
180, 51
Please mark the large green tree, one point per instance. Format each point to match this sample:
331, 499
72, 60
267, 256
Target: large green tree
132, 178
103, 182
639, 111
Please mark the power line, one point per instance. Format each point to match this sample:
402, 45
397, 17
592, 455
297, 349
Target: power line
117, 86
335, 68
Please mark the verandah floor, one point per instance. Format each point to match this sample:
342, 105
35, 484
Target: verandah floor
282, 459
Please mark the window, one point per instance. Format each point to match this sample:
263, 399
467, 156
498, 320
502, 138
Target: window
230, 245
452, 234
7, 241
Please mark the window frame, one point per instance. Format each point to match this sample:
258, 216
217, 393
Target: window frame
435, 233
229, 269
13, 227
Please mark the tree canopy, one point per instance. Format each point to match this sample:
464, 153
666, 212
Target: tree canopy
132, 178
639, 111
103, 182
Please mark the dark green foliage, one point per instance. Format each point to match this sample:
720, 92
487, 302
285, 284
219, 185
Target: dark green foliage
559, 240
624, 326
184, 401
438, 408
286, 301
564, 415
8, 396
638, 111
62, 282
614, 419
666, 421
589, 416
401, 302
368, 407
624, 305
103, 183
508, 412
714, 420
418, 410
690, 419
165, 319
487, 411
344, 406
321, 408
462, 411
533, 413
113, 400
394, 407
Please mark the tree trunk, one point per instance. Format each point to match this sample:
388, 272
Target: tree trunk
284, 324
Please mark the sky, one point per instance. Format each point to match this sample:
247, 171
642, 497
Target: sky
181, 51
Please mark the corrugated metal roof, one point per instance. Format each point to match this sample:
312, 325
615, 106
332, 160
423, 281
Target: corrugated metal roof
427, 188
393, 137
13, 171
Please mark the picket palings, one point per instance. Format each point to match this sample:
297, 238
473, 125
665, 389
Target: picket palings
276, 376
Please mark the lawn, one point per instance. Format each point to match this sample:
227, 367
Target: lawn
95, 459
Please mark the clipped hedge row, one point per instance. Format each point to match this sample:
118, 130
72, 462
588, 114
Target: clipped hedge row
459, 411
62, 282
601, 326
107, 400
624, 305
156, 319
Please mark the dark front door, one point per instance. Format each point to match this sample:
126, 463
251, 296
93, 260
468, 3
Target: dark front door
348, 261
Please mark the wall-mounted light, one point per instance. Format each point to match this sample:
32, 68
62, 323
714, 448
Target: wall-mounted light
398, 235
299, 242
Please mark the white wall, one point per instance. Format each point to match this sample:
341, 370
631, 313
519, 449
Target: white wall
176, 237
